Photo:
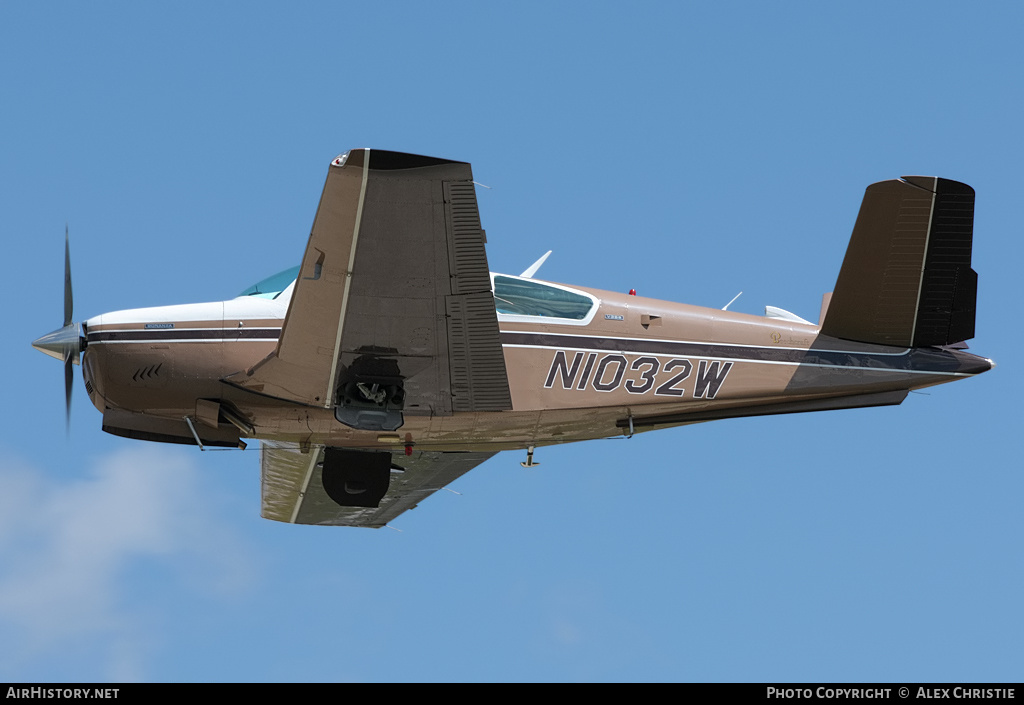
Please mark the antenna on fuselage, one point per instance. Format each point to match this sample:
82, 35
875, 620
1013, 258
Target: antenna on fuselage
532, 269
726, 307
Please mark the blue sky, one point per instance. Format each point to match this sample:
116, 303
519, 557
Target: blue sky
687, 150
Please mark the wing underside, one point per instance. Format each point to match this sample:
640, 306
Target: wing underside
394, 290
391, 315
292, 484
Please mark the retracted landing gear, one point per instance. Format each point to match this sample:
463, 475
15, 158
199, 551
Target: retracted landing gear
371, 395
355, 478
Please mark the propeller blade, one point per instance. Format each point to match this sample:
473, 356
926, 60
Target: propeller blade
69, 380
65, 343
69, 304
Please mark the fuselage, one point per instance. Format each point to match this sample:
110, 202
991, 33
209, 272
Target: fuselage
593, 364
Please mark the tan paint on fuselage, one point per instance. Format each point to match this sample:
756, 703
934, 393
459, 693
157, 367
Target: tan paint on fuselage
189, 371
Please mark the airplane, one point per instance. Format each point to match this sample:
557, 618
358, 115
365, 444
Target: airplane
391, 361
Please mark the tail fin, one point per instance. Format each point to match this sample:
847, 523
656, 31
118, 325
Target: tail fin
907, 278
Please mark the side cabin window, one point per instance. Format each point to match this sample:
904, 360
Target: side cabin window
514, 296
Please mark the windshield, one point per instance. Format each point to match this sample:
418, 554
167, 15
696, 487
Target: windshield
271, 287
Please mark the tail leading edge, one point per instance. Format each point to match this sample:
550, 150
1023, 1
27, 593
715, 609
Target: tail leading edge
907, 279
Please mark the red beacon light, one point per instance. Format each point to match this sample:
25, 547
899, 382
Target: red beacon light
632, 292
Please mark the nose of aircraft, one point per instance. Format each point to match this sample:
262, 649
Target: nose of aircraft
63, 343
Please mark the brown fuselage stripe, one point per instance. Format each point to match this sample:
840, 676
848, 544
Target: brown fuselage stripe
913, 360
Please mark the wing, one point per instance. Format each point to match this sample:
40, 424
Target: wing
393, 290
293, 490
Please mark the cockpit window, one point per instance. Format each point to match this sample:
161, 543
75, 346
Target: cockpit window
526, 297
271, 287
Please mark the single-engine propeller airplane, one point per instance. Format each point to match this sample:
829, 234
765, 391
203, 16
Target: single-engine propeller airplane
391, 361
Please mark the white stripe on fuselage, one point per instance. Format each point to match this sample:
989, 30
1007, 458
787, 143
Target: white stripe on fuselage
244, 308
